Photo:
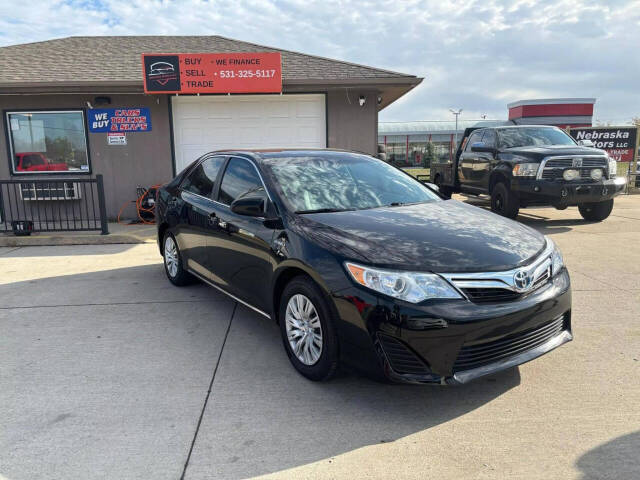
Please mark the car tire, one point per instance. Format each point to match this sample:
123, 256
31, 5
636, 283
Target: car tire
596, 212
173, 262
304, 328
504, 202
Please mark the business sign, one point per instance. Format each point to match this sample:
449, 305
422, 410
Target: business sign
619, 142
119, 120
116, 138
212, 73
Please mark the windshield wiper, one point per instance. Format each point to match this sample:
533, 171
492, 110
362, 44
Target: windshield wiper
326, 210
401, 204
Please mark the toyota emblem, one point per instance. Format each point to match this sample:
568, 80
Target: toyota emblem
522, 280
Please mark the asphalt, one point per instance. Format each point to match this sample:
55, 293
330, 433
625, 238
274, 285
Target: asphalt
108, 371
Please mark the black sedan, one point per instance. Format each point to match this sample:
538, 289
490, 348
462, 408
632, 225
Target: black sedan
361, 264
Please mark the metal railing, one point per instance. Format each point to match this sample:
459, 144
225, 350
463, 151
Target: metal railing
43, 205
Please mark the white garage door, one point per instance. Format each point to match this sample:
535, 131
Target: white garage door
206, 123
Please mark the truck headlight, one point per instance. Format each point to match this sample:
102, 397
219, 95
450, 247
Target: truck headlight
557, 262
412, 287
613, 168
526, 169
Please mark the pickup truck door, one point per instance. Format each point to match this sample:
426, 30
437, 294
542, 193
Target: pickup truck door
467, 160
484, 161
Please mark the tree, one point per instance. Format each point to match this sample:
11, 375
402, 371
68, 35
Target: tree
636, 121
430, 155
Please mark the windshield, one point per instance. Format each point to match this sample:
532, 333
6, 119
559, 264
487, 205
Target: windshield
341, 181
532, 136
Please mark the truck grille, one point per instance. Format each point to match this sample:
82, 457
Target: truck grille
402, 360
554, 167
479, 354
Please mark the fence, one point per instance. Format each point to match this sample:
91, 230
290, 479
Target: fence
42, 205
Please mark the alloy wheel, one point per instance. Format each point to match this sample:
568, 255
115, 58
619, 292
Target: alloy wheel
171, 256
304, 331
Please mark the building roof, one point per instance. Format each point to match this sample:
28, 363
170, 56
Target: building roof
552, 101
434, 126
86, 61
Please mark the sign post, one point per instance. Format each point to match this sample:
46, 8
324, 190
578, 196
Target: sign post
190, 73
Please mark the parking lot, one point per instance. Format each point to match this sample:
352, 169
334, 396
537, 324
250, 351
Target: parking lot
109, 371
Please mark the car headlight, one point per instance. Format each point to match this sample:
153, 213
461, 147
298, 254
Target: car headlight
412, 287
557, 262
613, 168
526, 169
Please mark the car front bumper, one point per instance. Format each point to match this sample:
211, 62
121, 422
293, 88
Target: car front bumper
451, 342
560, 193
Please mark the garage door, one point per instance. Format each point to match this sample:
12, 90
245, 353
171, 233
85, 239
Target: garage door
206, 123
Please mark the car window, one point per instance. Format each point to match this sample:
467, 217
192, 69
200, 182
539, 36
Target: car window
533, 136
202, 179
489, 138
344, 181
474, 138
239, 178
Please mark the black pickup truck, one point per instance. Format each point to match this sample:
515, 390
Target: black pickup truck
519, 166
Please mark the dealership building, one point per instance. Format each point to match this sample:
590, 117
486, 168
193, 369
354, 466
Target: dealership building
79, 107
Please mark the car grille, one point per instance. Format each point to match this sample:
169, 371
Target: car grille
493, 294
489, 295
554, 167
402, 360
477, 355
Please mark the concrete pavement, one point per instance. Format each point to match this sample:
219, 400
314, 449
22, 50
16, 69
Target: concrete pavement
108, 371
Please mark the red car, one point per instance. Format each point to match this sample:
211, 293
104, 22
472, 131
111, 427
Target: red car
37, 162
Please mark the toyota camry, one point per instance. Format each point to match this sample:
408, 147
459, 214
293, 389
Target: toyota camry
362, 265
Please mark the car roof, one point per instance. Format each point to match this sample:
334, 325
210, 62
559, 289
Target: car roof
273, 153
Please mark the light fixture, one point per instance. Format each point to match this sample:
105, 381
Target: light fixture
102, 100
362, 100
379, 99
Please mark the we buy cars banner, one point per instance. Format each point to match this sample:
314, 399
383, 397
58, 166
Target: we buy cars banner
619, 142
212, 72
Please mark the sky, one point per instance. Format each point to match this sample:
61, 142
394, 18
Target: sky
474, 55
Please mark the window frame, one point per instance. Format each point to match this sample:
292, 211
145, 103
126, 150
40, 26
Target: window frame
224, 171
214, 191
479, 132
9, 140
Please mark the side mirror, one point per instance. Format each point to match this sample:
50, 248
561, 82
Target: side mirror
586, 143
251, 205
481, 147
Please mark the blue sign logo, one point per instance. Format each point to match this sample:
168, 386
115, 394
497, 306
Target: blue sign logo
102, 120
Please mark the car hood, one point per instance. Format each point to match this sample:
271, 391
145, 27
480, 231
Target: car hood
552, 150
442, 236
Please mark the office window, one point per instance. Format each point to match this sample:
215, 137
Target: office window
47, 142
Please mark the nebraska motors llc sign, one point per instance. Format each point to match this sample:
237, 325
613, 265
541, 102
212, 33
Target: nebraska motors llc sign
619, 142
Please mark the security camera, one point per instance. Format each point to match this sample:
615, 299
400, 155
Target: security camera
361, 100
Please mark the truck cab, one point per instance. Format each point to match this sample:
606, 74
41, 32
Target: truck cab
524, 165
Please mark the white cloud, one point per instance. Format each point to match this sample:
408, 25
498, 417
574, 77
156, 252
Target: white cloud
476, 55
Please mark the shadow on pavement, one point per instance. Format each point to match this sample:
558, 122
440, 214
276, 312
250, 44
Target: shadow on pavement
616, 459
126, 353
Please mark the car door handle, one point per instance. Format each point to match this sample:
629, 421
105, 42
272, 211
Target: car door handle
223, 225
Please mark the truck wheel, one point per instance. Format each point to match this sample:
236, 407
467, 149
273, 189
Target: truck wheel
504, 202
444, 191
596, 212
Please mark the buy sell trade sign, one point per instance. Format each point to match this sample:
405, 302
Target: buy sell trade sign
119, 120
